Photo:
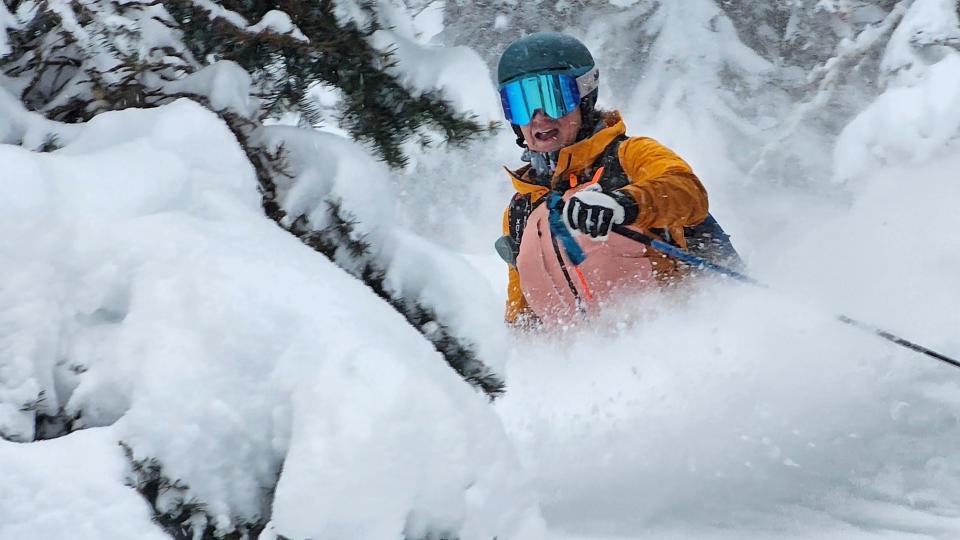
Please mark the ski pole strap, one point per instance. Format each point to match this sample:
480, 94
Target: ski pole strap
683, 256
559, 230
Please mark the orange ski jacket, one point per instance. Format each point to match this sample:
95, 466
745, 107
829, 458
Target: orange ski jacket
669, 196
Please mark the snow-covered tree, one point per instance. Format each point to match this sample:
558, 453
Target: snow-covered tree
250, 378
913, 117
253, 64
72, 60
488, 26
840, 73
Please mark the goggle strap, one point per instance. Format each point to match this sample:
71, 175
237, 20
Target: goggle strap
589, 81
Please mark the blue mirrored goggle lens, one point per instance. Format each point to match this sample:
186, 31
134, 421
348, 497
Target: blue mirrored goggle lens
556, 95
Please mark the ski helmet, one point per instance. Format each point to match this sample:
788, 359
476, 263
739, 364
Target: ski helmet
553, 53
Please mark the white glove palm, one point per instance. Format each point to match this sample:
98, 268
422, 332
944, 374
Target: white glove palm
593, 212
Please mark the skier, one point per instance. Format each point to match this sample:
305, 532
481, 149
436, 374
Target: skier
581, 159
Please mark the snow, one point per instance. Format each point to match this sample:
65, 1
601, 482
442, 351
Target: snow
274, 21
927, 31
214, 342
7, 21
907, 124
775, 420
224, 83
418, 21
694, 51
351, 11
326, 168
735, 412
277, 22
458, 72
24, 127
429, 22
71, 487
151, 302
215, 10
332, 491
916, 120
463, 78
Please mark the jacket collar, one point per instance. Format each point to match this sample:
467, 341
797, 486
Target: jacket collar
575, 158
579, 156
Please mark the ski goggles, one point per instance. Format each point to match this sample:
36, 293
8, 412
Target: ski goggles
556, 94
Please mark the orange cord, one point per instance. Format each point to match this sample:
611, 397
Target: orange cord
594, 180
583, 281
596, 176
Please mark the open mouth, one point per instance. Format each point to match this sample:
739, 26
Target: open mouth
547, 135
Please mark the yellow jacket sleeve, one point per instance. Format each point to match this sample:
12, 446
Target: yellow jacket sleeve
516, 303
667, 193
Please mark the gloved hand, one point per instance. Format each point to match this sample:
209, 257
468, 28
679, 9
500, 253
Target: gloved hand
594, 212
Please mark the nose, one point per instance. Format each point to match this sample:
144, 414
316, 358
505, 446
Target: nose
540, 117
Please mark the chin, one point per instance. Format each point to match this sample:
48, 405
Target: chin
544, 148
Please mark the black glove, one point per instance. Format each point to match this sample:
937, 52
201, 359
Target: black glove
594, 212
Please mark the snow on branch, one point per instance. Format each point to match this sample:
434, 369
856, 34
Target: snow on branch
828, 78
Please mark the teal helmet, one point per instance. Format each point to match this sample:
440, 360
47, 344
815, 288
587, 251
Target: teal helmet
544, 52
568, 78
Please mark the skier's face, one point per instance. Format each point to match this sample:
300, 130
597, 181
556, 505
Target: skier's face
544, 134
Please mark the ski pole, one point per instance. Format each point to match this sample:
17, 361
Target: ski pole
681, 255
898, 340
689, 258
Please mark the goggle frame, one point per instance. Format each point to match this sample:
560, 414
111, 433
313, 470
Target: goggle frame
556, 94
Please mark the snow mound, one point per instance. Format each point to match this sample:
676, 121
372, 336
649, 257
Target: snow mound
152, 294
326, 169
57, 489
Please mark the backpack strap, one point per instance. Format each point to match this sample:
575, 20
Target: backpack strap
521, 206
614, 177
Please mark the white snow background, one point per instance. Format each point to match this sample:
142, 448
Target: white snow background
219, 344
